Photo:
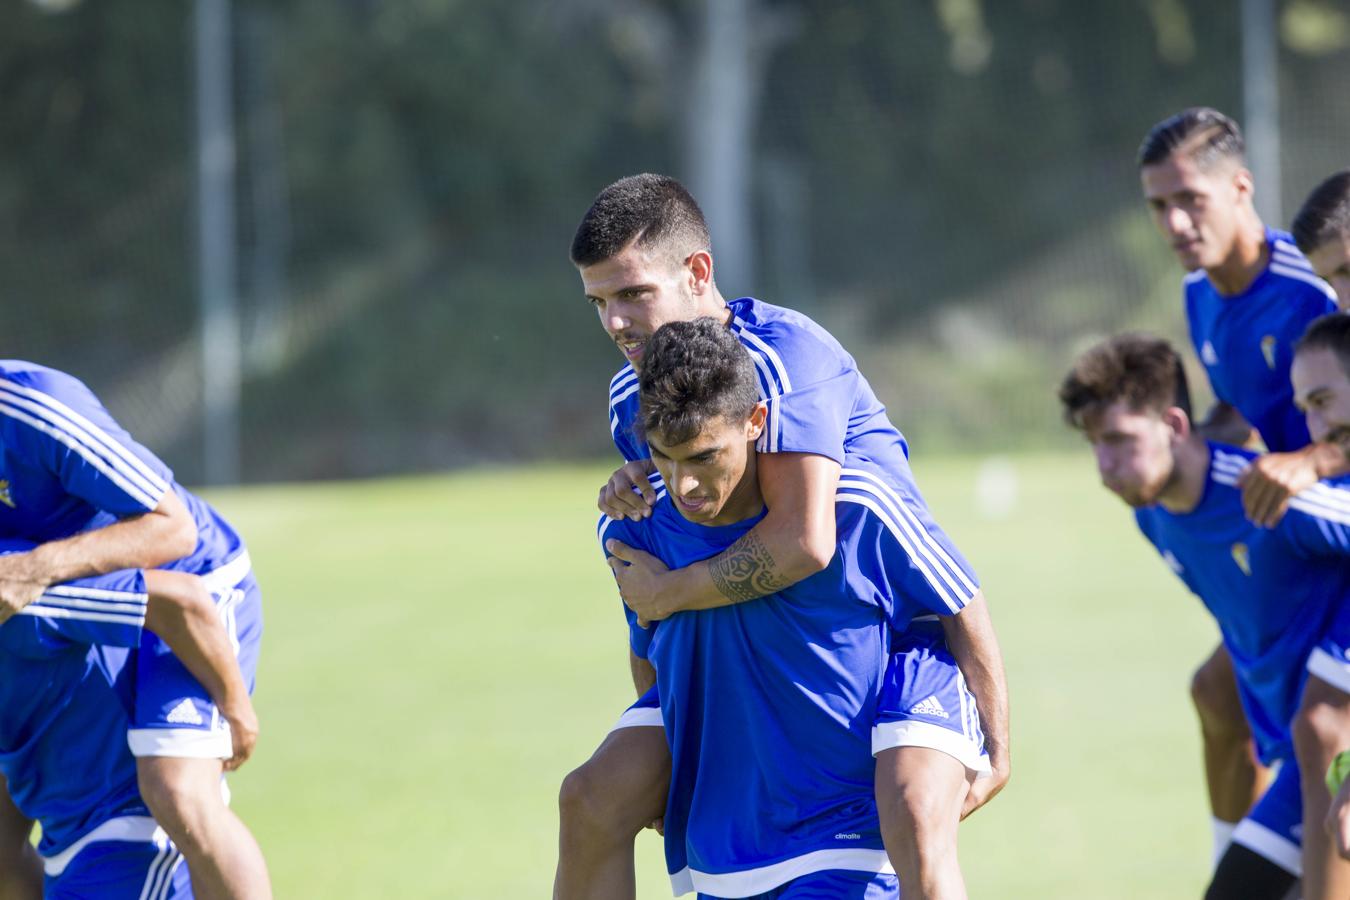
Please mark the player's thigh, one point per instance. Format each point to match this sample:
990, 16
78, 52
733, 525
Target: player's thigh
626, 779
1325, 705
1273, 830
1214, 691
924, 702
920, 786
122, 870
172, 714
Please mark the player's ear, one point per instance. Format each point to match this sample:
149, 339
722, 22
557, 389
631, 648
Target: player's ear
1243, 183
754, 426
700, 265
1176, 419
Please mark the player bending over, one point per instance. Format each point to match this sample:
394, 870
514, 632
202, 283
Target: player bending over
773, 709
1248, 296
643, 252
1279, 596
66, 669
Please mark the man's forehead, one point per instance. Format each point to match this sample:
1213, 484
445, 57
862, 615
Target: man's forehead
631, 266
1180, 172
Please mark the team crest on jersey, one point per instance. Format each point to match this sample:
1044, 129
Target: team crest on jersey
1208, 354
5, 498
1242, 558
1268, 350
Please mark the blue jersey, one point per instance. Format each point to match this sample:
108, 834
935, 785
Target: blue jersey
816, 399
1246, 342
1274, 592
769, 705
66, 467
63, 722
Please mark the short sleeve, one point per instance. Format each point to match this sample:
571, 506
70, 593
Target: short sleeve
108, 609
639, 638
56, 423
1317, 523
889, 539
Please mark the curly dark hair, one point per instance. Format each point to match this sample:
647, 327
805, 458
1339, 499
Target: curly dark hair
693, 372
653, 210
1140, 369
1205, 135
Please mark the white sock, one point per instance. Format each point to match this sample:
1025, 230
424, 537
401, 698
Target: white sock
1223, 836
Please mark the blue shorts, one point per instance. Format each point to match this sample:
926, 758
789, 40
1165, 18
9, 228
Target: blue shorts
646, 710
172, 714
924, 700
142, 865
1273, 829
833, 884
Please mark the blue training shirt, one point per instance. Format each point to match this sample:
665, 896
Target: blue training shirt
67, 467
1273, 592
817, 401
769, 705
63, 725
1246, 342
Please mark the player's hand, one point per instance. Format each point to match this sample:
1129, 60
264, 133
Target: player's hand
243, 733
984, 789
1337, 822
628, 494
19, 585
639, 576
1271, 480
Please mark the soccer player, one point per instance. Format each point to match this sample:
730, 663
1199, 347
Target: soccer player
1249, 295
74, 483
643, 251
1279, 596
65, 666
1321, 228
769, 706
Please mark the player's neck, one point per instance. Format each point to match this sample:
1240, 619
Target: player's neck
1245, 261
1190, 471
714, 306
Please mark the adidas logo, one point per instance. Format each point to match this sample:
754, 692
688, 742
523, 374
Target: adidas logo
929, 707
184, 714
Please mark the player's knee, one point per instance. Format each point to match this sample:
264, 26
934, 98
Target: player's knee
184, 800
1216, 702
1320, 731
924, 812
586, 806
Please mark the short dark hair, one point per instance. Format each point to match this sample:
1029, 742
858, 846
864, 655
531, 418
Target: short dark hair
1329, 332
648, 209
693, 372
1325, 215
1144, 371
1203, 134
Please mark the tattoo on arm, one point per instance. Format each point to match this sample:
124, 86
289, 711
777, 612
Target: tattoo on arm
746, 571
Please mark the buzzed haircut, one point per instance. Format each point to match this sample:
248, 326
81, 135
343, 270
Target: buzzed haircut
692, 373
653, 210
1142, 370
1204, 135
1325, 215
1330, 332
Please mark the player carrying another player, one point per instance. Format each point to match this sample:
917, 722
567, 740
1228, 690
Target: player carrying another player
1249, 295
769, 706
643, 252
94, 501
64, 673
1279, 596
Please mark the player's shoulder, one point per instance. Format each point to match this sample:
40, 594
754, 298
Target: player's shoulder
20, 377
1290, 269
634, 534
42, 397
1227, 463
785, 341
623, 385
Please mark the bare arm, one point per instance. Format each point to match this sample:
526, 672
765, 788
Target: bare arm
1226, 425
180, 611
971, 639
644, 675
795, 539
20, 867
162, 535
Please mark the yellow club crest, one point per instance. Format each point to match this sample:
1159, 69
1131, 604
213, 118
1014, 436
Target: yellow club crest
1242, 558
1268, 350
5, 498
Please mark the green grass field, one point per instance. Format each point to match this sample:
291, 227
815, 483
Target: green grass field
440, 651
